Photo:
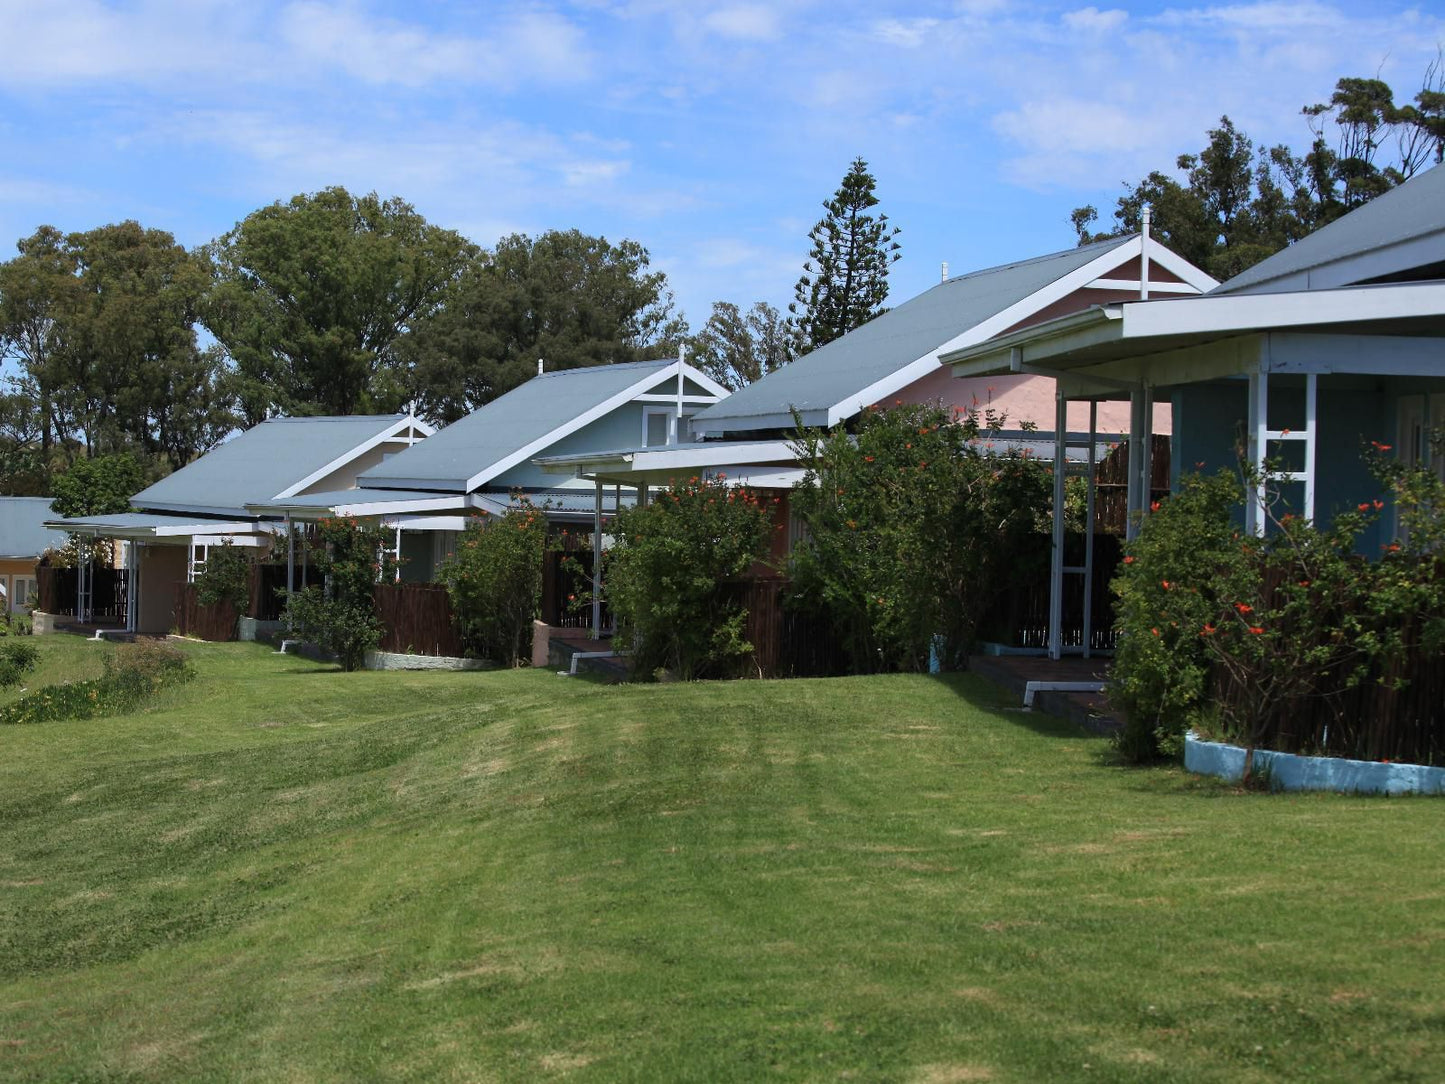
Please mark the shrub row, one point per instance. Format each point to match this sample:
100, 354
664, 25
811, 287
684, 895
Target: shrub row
133, 674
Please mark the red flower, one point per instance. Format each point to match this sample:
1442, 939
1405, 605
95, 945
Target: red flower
1244, 607
1255, 629
1393, 547
867, 459
1164, 584
1365, 506
1380, 448
1378, 504
1128, 560
1153, 506
1208, 630
1154, 631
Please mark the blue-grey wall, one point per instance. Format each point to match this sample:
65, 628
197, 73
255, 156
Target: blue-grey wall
1209, 424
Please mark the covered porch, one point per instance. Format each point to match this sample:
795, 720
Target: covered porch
1295, 384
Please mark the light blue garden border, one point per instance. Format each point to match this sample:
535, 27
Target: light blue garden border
1288, 771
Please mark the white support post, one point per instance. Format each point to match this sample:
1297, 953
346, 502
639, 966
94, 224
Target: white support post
1089, 529
396, 578
597, 565
1136, 453
1146, 455
290, 557
1056, 558
1254, 517
132, 568
677, 421
1311, 420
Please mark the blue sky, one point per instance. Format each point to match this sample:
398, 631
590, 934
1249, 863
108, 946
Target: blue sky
709, 132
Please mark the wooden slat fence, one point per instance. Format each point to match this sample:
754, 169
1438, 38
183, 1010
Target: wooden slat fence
1111, 484
216, 622
417, 619
1020, 615
56, 588
567, 574
786, 642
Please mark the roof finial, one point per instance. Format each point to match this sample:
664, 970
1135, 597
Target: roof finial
944, 277
541, 366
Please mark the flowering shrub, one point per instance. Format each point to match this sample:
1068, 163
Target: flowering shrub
340, 617
912, 530
1243, 636
134, 673
494, 581
668, 571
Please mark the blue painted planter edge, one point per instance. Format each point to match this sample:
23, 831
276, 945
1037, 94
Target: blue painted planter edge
1289, 771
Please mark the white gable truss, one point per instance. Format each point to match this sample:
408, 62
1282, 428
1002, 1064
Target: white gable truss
406, 432
658, 386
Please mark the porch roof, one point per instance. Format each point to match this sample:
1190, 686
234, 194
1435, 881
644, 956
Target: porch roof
23, 533
138, 526
1157, 335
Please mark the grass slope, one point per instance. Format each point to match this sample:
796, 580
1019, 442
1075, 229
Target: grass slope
281, 872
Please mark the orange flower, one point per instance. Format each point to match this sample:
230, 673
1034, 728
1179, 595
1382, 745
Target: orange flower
1128, 560
1378, 504
1153, 506
1393, 547
1364, 506
1154, 631
1244, 607
1208, 630
1380, 447
1255, 629
1164, 584
867, 459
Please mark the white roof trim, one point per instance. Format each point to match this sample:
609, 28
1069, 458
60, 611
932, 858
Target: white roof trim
405, 422
1056, 290
587, 417
697, 456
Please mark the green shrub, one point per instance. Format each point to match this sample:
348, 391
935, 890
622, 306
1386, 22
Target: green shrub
913, 530
494, 581
340, 618
667, 577
17, 658
134, 673
225, 578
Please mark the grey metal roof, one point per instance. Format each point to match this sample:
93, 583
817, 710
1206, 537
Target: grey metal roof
845, 367
262, 462
21, 533
506, 425
1413, 210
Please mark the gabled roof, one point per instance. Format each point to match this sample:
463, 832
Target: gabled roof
890, 352
513, 428
21, 532
1393, 233
277, 458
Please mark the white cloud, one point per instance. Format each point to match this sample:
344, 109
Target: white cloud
905, 33
1091, 20
747, 22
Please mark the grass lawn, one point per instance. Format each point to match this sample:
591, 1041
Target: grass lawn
281, 872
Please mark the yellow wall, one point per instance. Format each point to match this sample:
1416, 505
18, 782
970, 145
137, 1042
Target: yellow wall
9, 569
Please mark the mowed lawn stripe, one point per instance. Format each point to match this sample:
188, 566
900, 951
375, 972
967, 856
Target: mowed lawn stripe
282, 872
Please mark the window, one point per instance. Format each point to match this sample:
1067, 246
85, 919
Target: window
661, 425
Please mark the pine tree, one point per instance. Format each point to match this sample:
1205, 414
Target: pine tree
845, 280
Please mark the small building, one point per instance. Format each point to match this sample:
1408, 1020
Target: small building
204, 504
23, 538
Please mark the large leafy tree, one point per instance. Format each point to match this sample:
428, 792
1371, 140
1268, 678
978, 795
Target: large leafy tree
564, 297
102, 327
1235, 202
36, 291
129, 357
312, 297
735, 347
845, 280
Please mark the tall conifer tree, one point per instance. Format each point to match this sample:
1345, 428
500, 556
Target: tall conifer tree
845, 280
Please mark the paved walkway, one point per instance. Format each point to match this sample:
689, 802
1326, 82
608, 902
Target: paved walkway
1089, 710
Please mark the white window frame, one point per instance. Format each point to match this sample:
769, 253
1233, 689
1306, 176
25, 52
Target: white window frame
669, 412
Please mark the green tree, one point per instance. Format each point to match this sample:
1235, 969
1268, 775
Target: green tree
912, 531
99, 486
226, 578
845, 280
564, 297
36, 291
313, 296
1238, 203
668, 577
735, 348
